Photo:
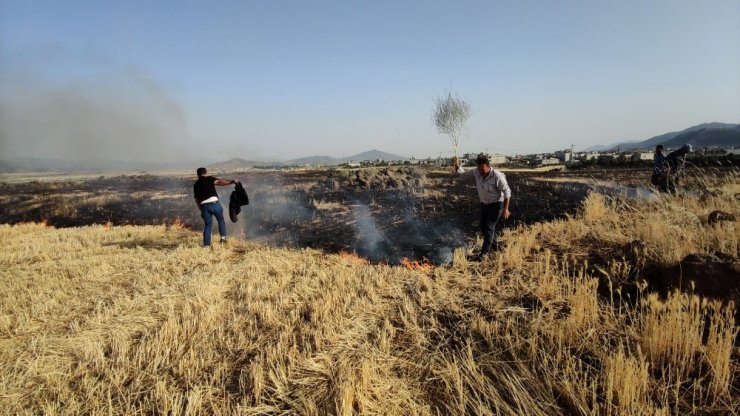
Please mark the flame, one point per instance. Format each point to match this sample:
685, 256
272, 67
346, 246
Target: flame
178, 224
423, 266
353, 258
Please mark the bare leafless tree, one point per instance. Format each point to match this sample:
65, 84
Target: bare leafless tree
449, 115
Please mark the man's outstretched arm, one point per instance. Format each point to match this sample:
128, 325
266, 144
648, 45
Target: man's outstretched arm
224, 182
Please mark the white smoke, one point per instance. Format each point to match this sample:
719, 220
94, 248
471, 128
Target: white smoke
369, 237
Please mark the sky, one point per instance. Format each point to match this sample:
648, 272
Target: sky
276, 80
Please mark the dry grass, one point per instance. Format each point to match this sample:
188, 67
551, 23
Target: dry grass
329, 206
142, 320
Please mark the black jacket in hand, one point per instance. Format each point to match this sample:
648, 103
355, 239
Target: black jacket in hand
238, 198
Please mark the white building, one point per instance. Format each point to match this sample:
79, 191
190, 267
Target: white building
545, 161
564, 156
495, 159
498, 159
642, 156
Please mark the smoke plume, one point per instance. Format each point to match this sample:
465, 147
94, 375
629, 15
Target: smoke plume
97, 111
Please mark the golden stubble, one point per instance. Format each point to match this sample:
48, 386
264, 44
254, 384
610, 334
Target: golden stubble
132, 320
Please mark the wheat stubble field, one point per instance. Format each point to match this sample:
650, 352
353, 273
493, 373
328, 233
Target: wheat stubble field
108, 319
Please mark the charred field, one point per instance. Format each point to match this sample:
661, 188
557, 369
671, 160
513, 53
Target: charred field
383, 214
618, 301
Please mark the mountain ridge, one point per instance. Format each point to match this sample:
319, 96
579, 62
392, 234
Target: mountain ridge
29, 164
715, 134
373, 154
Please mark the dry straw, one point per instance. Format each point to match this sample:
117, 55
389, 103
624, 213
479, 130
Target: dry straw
142, 320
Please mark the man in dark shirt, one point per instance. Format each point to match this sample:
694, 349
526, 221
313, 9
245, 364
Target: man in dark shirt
667, 169
658, 179
207, 200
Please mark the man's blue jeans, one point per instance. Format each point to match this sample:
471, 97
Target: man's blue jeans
207, 213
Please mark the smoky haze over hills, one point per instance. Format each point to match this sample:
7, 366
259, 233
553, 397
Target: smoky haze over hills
63, 165
238, 163
703, 135
27, 164
328, 160
104, 112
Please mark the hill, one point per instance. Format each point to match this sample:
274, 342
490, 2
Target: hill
234, 164
712, 135
23, 165
360, 157
707, 137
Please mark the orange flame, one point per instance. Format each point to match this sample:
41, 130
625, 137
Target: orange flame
423, 266
353, 258
178, 224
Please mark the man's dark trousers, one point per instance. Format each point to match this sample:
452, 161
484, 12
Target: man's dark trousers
489, 215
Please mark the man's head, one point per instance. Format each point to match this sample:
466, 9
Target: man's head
201, 172
659, 148
484, 164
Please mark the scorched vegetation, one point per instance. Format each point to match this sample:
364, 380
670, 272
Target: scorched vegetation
142, 320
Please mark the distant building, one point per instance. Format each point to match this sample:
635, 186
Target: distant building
588, 155
544, 161
497, 159
439, 161
642, 156
564, 156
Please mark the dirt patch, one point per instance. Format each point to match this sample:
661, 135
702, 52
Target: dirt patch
714, 276
389, 178
720, 216
708, 275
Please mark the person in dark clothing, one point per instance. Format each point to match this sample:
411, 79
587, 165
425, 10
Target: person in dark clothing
675, 162
667, 169
206, 198
658, 179
238, 198
494, 194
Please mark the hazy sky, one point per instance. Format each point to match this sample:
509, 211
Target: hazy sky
160, 80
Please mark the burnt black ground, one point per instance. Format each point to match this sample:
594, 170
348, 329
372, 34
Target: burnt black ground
288, 209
